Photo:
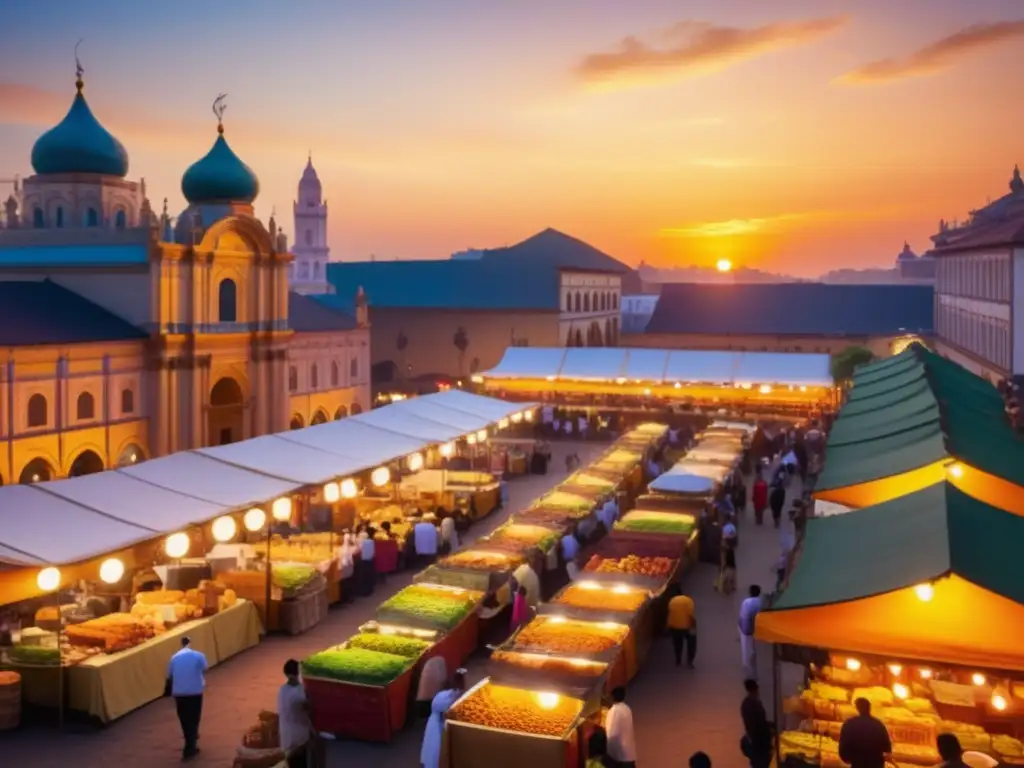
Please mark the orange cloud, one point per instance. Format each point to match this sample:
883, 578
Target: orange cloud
697, 48
937, 56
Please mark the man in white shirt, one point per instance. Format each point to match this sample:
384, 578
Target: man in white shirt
367, 566
449, 536
618, 724
424, 536
186, 681
293, 724
749, 609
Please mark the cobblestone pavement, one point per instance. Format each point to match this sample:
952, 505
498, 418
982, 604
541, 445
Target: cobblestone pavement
238, 689
676, 711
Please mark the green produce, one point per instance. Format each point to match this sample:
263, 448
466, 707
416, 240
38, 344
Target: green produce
356, 665
34, 654
291, 576
409, 647
680, 527
443, 612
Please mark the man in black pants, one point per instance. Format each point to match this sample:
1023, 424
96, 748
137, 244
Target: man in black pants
186, 682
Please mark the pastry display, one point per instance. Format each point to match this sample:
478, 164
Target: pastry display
598, 598
482, 561
511, 709
554, 634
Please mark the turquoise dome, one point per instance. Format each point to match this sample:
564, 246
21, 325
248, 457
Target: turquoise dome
79, 144
220, 177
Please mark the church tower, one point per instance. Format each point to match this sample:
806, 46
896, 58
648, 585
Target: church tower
309, 272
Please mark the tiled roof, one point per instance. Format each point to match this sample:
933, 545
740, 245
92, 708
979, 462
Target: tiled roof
307, 315
552, 248
984, 234
74, 255
42, 312
791, 309
475, 285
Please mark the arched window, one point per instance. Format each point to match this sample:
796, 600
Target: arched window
127, 401
314, 380
568, 302
593, 301
577, 303
586, 302
38, 220
37, 411
58, 217
604, 299
227, 301
615, 301
120, 219
341, 413
296, 422
334, 374
86, 407
293, 378
353, 370
92, 217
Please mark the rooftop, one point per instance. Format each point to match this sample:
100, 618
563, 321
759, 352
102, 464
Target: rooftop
42, 312
793, 309
308, 315
552, 248
999, 223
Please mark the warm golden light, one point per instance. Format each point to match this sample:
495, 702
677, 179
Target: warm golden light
956, 470
999, 702
470, 439
925, 673
516, 418
620, 380
503, 424
481, 435
900, 691
331, 493
723, 265
254, 519
853, 664
380, 476
111, 570
896, 669
765, 389
224, 529
621, 589
528, 415
588, 585
48, 579
415, 462
548, 700
176, 545
924, 592
281, 509
557, 619
349, 489
979, 679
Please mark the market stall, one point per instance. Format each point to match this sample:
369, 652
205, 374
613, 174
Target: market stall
477, 493
915, 604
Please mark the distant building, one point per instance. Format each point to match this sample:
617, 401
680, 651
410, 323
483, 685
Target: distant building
126, 335
787, 317
637, 311
308, 273
979, 309
910, 266
455, 317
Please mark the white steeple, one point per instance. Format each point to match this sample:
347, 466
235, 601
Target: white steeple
309, 272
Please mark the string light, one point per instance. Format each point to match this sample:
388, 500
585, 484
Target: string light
176, 545
331, 493
111, 570
415, 462
380, 476
281, 509
224, 528
447, 450
48, 579
349, 489
254, 519
853, 664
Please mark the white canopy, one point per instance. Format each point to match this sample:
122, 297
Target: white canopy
205, 478
357, 445
491, 408
434, 410
391, 419
662, 366
678, 482
38, 527
281, 459
134, 501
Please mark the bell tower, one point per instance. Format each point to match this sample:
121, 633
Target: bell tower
309, 271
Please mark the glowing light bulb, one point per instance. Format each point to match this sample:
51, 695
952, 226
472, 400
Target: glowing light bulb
764, 389
517, 417
254, 519
548, 700
900, 691
558, 619
380, 476
331, 493
111, 570
503, 424
447, 449
853, 664
481, 435
924, 592
281, 509
48, 579
621, 589
176, 545
528, 415
224, 528
978, 679
677, 385
999, 702
349, 489
896, 669
925, 673
470, 439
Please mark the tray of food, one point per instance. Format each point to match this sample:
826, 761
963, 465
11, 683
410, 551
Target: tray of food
581, 678
427, 606
597, 601
537, 713
558, 635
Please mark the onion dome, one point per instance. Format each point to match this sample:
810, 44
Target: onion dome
79, 144
220, 176
906, 254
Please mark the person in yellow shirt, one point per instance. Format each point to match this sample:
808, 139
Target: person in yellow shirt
682, 626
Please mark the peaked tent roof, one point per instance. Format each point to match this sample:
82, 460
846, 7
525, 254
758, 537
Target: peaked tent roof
923, 410
853, 588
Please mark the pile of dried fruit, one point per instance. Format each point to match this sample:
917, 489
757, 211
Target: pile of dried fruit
655, 567
481, 561
599, 598
572, 638
510, 709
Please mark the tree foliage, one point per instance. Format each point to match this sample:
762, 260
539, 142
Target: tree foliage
848, 360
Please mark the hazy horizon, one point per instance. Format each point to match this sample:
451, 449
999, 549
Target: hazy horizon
795, 137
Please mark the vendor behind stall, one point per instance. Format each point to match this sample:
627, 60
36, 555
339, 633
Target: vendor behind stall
526, 577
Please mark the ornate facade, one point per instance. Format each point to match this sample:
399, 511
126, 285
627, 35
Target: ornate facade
148, 334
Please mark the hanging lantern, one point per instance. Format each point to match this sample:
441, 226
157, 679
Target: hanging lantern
224, 529
282, 509
254, 519
331, 493
517, 417
48, 579
380, 476
528, 415
176, 545
111, 571
349, 489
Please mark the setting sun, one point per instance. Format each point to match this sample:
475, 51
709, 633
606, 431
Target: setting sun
723, 265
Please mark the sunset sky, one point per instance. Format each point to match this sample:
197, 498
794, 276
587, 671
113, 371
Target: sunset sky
794, 135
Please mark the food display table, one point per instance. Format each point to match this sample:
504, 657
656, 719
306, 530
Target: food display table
109, 687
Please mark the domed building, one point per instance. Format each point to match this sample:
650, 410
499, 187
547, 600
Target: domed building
128, 335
